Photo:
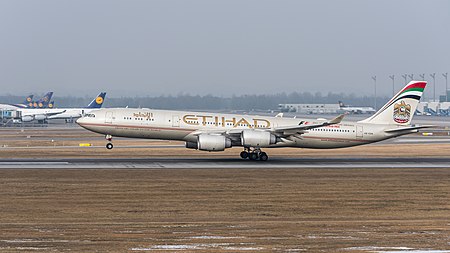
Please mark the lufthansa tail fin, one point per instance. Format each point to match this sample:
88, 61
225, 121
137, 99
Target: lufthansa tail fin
401, 108
44, 101
98, 101
29, 101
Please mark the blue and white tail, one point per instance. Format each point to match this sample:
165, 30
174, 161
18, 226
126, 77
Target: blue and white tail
98, 101
29, 101
401, 108
44, 101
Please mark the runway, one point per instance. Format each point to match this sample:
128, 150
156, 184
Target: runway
226, 163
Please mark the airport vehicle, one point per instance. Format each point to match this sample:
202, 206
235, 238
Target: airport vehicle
74, 113
217, 131
355, 109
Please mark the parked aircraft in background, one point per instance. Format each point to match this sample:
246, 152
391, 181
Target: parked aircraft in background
44, 101
217, 131
42, 115
355, 109
27, 103
74, 113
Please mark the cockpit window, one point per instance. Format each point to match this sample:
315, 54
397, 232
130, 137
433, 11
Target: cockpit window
90, 115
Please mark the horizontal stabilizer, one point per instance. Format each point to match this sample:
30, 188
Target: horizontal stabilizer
404, 129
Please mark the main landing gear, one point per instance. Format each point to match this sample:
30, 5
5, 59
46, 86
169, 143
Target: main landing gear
255, 154
109, 145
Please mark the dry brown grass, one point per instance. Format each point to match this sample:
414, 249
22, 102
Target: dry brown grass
224, 210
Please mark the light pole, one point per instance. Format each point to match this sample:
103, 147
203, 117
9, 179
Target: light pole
404, 77
411, 76
434, 86
374, 78
446, 86
393, 83
423, 79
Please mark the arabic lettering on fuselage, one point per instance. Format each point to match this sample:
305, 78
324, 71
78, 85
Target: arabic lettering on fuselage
192, 119
147, 115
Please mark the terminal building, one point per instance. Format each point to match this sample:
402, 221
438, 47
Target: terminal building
310, 108
433, 108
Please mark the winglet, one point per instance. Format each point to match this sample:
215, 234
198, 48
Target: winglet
337, 120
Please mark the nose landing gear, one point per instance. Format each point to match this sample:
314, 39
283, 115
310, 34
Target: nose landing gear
109, 145
255, 154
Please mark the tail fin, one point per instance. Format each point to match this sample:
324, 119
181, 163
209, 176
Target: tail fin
98, 101
28, 100
401, 108
45, 100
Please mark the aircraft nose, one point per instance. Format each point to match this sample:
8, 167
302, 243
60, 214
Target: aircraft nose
81, 121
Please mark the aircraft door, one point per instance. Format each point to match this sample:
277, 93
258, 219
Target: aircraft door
359, 131
175, 121
109, 117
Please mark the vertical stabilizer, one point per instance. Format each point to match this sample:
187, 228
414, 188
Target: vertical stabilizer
98, 101
401, 108
29, 101
44, 101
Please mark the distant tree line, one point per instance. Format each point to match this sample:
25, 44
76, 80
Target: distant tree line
210, 102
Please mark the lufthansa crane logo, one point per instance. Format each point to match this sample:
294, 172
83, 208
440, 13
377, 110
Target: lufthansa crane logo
99, 100
402, 112
28, 99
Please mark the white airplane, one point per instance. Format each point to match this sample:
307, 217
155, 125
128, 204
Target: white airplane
74, 113
30, 114
355, 109
217, 131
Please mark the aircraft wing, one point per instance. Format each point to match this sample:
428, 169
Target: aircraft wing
48, 114
235, 134
301, 126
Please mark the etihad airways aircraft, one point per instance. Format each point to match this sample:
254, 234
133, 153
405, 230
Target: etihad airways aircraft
217, 131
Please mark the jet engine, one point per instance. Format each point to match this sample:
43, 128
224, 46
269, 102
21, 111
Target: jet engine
209, 142
27, 118
252, 138
40, 117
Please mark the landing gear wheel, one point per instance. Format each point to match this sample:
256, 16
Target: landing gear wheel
109, 146
253, 156
244, 154
263, 156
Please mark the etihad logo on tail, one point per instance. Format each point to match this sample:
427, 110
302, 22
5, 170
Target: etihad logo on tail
402, 112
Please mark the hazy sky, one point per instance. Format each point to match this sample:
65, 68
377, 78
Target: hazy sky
219, 47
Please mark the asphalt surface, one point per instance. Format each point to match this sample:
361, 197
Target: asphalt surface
231, 163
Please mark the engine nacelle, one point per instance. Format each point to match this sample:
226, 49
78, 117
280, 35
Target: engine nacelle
252, 138
40, 117
191, 145
27, 118
209, 142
